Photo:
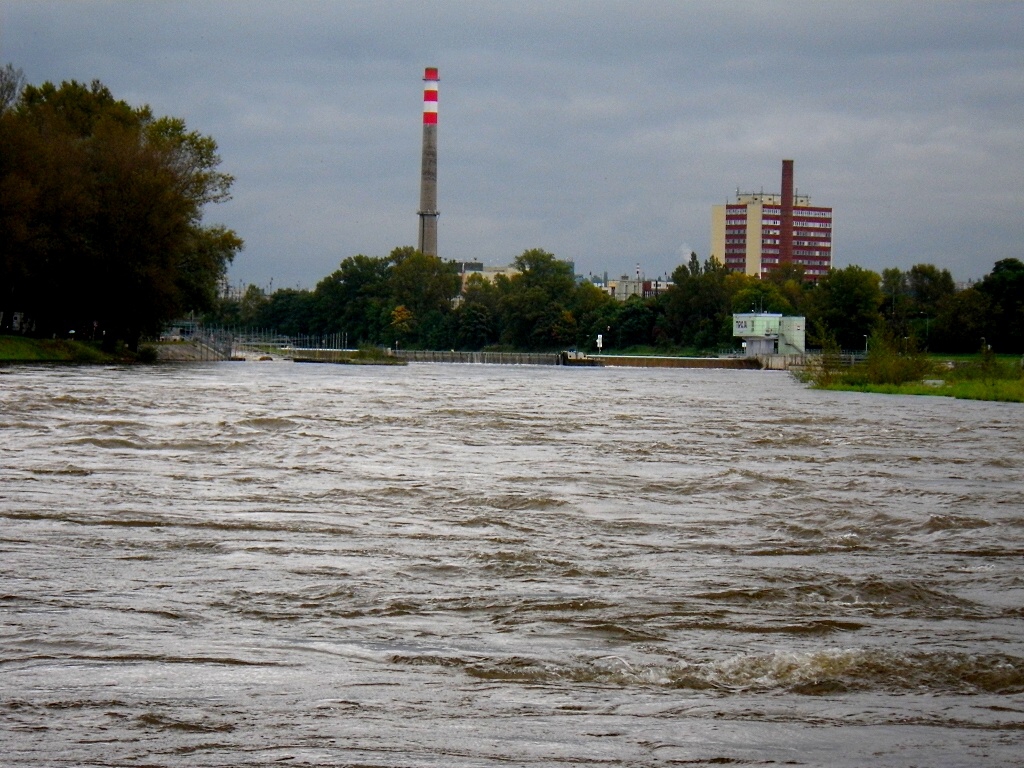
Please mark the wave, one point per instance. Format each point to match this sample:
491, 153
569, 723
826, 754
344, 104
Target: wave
68, 470
808, 673
873, 595
936, 523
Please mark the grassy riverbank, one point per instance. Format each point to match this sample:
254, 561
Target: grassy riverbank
18, 349
997, 390
983, 376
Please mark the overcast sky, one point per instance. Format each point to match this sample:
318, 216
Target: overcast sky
600, 131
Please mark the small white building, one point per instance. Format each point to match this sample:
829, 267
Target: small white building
770, 333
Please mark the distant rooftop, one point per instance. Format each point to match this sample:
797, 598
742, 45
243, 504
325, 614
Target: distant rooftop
770, 198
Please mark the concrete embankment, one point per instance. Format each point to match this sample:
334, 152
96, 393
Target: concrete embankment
188, 352
637, 361
572, 359
493, 358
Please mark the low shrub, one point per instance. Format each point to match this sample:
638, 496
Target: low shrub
148, 354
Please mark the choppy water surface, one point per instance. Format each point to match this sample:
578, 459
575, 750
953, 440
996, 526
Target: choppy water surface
264, 564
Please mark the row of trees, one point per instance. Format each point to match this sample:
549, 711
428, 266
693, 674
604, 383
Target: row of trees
419, 301
101, 207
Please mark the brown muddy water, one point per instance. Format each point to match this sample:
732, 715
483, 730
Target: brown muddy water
471, 565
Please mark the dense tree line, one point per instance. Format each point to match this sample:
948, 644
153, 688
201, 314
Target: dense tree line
419, 301
101, 206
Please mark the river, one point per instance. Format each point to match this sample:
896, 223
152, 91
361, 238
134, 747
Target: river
268, 563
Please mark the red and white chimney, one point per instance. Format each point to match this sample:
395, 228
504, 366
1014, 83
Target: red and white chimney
428, 170
431, 80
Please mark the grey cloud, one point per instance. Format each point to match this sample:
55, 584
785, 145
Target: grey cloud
601, 131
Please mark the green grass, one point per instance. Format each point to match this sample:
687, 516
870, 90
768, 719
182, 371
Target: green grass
982, 376
1001, 390
18, 349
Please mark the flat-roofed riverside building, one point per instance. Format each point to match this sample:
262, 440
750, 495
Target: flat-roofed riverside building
769, 333
760, 231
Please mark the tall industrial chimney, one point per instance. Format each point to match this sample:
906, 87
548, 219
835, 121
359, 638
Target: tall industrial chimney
428, 172
786, 229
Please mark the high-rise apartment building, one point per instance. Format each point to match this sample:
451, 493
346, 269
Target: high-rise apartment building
760, 231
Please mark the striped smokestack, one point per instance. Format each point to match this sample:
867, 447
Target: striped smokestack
428, 171
786, 228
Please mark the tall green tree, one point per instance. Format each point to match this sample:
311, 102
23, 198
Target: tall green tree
535, 303
102, 229
896, 306
477, 316
847, 302
634, 324
356, 300
426, 286
596, 312
961, 322
789, 279
251, 307
928, 287
761, 296
698, 305
1004, 289
289, 311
